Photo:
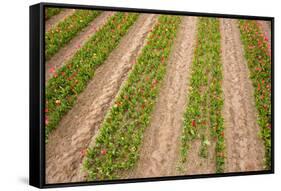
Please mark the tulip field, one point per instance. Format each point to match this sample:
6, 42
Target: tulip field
51, 12
136, 95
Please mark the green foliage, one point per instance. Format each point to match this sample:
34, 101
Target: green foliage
205, 101
49, 12
258, 56
62, 33
70, 80
118, 143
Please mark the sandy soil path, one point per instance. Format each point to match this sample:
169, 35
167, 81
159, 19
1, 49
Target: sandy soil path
245, 149
68, 51
265, 26
161, 143
74, 133
54, 20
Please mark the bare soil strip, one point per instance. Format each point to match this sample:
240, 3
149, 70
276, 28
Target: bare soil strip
266, 29
66, 53
54, 20
245, 150
161, 144
74, 133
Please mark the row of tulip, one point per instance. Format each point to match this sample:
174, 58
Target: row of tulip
258, 55
49, 12
68, 28
203, 116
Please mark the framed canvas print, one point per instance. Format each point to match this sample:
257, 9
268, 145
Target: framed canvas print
127, 95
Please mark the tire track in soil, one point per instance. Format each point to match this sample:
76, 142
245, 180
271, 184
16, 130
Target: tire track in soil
68, 51
54, 20
245, 150
161, 144
79, 125
265, 27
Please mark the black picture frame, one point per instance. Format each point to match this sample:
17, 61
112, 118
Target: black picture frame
37, 94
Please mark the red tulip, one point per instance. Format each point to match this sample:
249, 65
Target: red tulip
258, 69
52, 70
103, 151
269, 126
163, 59
46, 121
259, 87
83, 152
193, 123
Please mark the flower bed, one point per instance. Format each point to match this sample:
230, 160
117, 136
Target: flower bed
49, 12
258, 55
203, 113
61, 34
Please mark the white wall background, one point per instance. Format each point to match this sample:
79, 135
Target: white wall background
14, 51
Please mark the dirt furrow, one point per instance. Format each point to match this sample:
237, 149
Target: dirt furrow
74, 133
160, 148
245, 151
265, 27
68, 51
54, 20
